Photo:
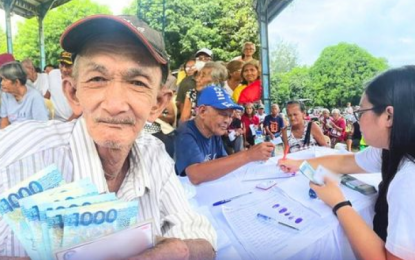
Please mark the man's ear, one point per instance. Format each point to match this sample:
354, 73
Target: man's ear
389, 114
69, 89
163, 98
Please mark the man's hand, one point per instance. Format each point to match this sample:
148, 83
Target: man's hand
260, 152
177, 249
166, 248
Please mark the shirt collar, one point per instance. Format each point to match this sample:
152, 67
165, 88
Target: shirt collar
88, 164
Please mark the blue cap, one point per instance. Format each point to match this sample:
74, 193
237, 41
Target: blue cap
216, 97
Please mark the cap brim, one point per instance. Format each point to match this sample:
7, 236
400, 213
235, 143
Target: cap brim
77, 34
66, 61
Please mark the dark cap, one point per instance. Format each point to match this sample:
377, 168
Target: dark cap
77, 34
66, 57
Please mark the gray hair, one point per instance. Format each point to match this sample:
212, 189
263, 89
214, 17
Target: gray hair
335, 111
28, 62
13, 71
219, 72
325, 110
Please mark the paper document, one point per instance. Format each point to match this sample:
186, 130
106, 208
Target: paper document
232, 135
297, 188
115, 246
266, 241
260, 171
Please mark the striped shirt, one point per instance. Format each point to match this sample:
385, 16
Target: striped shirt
30, 146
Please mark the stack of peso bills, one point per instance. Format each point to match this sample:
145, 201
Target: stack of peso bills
49, 216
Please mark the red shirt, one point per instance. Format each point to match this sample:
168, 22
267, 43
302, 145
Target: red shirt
248, 121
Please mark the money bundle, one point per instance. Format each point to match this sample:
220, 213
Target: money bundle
48, 215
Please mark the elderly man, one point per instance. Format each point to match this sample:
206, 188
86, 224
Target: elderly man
38, 81
116, 87
199, 149
63, 111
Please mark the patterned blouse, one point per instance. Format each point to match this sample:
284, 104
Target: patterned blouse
297, 144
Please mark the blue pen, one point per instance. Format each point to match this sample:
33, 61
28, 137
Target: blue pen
230, 199
267, 219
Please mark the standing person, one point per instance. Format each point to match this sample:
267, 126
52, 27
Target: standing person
250, 91
273, 123
202, 56
248, 51
213, 73
301, 134
19, 102
63, 111
39, 81
116, 87
260, 113
386, 118
251, 124
234, 70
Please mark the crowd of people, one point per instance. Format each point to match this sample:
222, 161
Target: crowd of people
103, 113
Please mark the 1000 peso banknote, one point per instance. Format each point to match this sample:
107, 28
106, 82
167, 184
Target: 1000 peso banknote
43, 180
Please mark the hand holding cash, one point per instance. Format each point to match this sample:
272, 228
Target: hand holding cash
73, 220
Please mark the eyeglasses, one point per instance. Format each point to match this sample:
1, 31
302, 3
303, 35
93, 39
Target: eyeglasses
358, 113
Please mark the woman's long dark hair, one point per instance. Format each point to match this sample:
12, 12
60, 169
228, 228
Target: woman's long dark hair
395, 87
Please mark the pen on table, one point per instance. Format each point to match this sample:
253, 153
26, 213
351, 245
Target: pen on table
274, 221
230, 199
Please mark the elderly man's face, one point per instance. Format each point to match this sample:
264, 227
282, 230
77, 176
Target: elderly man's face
215, 120
117, 86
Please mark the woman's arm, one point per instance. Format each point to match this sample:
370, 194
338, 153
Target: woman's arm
317, 134
364, 241
187, 110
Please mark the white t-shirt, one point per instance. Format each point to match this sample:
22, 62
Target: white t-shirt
227, 88
62, 108
41, 84
401, 193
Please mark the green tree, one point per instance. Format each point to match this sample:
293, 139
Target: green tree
222, 26
291, 85
3, 41
286, 78
340, 72
26, 43
283, 58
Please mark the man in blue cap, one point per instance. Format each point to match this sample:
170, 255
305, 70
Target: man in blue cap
199, 149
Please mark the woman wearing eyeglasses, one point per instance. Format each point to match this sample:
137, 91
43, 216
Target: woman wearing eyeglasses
19, 102
387, 122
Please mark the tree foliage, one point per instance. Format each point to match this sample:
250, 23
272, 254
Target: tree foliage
291, 85
337, 77
283, 57
339, 74
26, 43
222, 26
3, 41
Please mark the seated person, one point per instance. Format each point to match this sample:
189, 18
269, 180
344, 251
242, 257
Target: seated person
199, 149
273, 123
301, 134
